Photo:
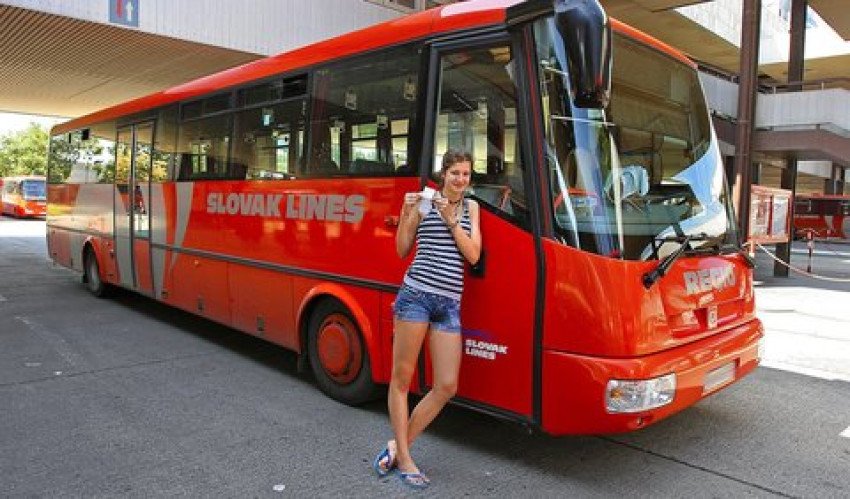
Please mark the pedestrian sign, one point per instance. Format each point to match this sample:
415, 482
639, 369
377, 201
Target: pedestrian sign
124, 12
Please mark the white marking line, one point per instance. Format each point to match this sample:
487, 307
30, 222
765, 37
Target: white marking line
845, 433
55, 341
2, 298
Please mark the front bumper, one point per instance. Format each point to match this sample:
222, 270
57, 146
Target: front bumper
574, 385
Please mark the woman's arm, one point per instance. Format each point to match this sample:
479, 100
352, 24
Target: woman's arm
468, 244
408, 222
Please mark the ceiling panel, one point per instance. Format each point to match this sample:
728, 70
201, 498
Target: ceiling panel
676, 30
59, 66
836, 13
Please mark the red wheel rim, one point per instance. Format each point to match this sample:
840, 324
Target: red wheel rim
339, 348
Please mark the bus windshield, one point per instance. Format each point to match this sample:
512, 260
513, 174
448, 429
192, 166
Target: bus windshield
33, 190
632, 180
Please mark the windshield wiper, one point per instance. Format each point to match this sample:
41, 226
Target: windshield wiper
664, 265
728, 249
718, 248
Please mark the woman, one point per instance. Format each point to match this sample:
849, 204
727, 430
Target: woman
428, 304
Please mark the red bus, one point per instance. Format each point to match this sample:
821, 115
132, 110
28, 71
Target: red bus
266, 197
24, 196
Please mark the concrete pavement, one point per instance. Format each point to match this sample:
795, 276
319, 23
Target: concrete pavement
807, 318
126, 397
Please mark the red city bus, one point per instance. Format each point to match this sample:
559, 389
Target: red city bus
266, 197
24, 196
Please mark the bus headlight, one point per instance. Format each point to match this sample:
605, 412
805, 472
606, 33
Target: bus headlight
639, 395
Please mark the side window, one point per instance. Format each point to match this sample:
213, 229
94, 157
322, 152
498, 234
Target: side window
362, 114
268, 135
477, 113
64, 150
203, 143
99, 153
165, 158
83, 157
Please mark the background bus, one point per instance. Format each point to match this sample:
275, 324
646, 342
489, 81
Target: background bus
266, 197
24, 196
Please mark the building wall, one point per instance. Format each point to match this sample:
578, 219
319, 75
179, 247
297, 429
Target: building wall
259, 26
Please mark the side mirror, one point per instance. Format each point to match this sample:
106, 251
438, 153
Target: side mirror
584, 27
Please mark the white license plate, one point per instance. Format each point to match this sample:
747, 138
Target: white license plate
719, 377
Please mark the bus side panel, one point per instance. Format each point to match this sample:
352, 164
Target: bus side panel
498, 320
104, 249
59, 246
199, 285
61, 200
341, 227
142, 263
159, 229
262, 304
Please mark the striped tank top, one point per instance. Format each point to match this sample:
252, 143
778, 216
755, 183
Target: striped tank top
438, 265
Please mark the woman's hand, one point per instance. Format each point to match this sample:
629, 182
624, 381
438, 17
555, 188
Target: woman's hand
411, 202
409, 221
447, 210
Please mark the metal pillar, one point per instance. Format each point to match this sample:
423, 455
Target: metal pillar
830, 185
796, 58
750, 28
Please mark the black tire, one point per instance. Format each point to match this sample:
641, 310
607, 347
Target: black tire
91, 276
345, 378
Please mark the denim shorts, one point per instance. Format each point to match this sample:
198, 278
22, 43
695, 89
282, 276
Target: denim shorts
442, 312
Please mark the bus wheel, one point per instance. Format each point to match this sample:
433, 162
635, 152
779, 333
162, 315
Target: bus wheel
91, 276
338, 356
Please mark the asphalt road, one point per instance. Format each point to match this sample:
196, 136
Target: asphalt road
125, 397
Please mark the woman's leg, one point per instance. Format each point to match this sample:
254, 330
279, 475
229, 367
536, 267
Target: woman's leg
446, 349
407, 342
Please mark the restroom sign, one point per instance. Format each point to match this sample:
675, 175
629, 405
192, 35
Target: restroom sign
124, 12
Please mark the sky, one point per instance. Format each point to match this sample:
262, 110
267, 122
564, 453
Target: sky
12, 122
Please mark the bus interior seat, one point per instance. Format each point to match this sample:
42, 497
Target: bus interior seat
496, 195
237, 171
365, 166
324, 165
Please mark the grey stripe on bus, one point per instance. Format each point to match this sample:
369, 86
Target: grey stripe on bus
158, 235
183, 192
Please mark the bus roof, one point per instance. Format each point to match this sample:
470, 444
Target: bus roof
452, 17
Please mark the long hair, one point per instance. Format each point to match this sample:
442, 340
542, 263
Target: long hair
450, 158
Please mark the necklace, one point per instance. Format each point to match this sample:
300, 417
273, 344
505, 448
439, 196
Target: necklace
450, 201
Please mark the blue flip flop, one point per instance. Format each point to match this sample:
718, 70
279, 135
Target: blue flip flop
378, 465
416, 480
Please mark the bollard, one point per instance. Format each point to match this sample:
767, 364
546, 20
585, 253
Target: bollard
810, 242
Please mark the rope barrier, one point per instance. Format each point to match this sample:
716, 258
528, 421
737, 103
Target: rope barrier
800, 271
831, 249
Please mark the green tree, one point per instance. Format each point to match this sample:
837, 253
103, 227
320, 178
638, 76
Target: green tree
24, 152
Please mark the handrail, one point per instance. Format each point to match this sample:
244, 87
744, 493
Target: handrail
796, 86
774, 88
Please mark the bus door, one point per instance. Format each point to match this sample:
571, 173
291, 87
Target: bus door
132, 206
476, 98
